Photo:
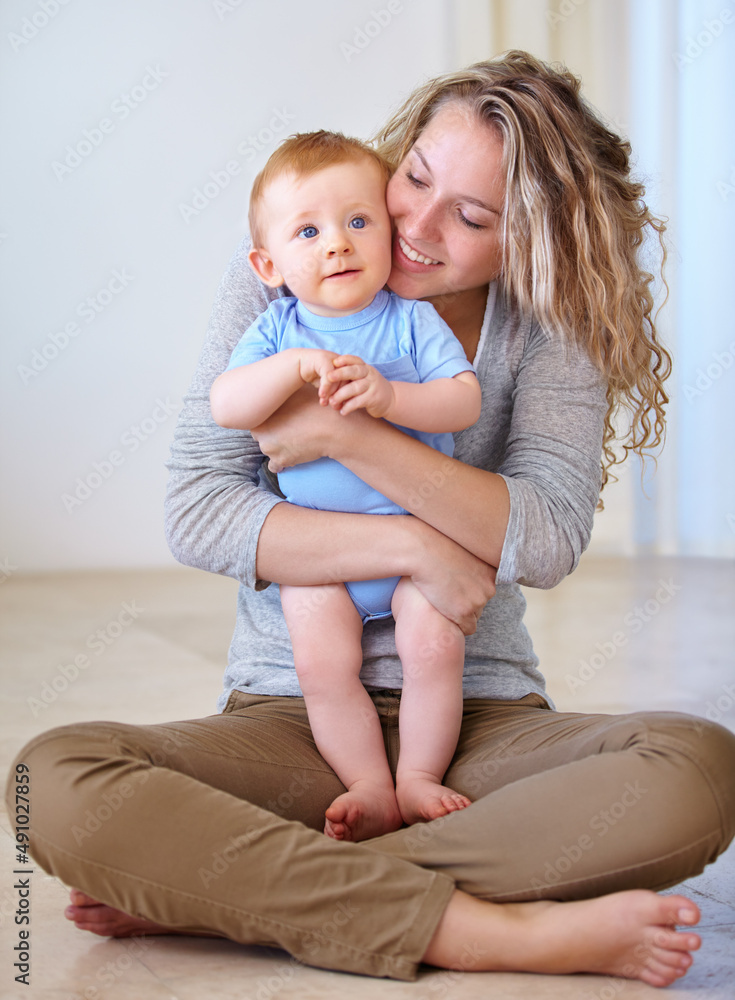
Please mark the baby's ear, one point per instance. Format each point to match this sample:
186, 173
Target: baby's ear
265, 268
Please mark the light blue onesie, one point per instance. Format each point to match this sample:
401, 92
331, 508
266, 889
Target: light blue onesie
407, 341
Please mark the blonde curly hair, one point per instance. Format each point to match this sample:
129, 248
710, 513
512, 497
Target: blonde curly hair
574, 227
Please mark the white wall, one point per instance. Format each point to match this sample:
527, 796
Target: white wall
91, 391
217, 83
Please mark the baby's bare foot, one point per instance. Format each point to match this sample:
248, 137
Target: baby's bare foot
364, 811
90, 915
422, 799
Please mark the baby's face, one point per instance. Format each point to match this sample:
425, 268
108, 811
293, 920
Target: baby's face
329, 235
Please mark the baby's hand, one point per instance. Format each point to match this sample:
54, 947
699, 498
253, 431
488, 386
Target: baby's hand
314, 367
363, 387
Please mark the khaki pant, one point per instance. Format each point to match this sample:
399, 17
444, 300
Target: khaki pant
214, 824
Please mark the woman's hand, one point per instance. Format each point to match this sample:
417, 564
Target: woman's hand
302, 430
458, 584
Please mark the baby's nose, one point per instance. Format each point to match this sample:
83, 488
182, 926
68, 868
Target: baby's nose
337, 245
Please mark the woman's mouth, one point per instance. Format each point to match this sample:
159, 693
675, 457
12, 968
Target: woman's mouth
406, 253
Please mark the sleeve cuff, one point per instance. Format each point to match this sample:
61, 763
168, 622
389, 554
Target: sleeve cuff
508, 568
249, 577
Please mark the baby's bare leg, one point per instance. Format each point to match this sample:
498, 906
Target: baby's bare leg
432, 655
326, 630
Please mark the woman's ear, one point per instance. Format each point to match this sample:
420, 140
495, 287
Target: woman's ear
264, 267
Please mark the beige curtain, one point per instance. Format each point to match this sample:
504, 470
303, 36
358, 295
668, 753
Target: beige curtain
662, 72
590, 37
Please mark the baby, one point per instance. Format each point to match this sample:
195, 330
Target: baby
320, 226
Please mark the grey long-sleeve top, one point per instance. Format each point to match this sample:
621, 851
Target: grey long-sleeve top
543, 409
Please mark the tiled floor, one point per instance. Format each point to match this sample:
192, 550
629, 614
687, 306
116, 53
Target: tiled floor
616, 636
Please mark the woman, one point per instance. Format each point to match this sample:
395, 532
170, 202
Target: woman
515, 216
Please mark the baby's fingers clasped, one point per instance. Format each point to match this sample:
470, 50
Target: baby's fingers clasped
327, 389
349, 373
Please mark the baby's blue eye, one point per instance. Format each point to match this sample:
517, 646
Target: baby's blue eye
358, 223
309, 232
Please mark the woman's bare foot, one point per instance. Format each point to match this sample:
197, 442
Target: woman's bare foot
630, 934
422, 799
90, 915
365, 811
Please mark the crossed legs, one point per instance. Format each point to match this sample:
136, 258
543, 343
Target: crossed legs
576, 808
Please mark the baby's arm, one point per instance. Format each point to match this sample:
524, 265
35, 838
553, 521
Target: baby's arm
244, 397
436, 407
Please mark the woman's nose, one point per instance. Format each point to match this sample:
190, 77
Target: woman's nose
421, 221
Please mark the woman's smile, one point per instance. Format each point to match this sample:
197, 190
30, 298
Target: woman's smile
446, 197
412, 254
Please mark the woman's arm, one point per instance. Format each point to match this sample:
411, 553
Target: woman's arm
533, 518
467, 504
464, 503
216, 504
301, 547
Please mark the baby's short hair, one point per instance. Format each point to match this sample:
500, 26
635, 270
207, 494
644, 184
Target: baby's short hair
303, 154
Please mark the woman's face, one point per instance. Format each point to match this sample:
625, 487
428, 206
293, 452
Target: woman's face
446, 200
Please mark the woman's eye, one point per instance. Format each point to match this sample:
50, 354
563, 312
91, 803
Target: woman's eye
470, 225
308, 232
359, 222
414, 180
